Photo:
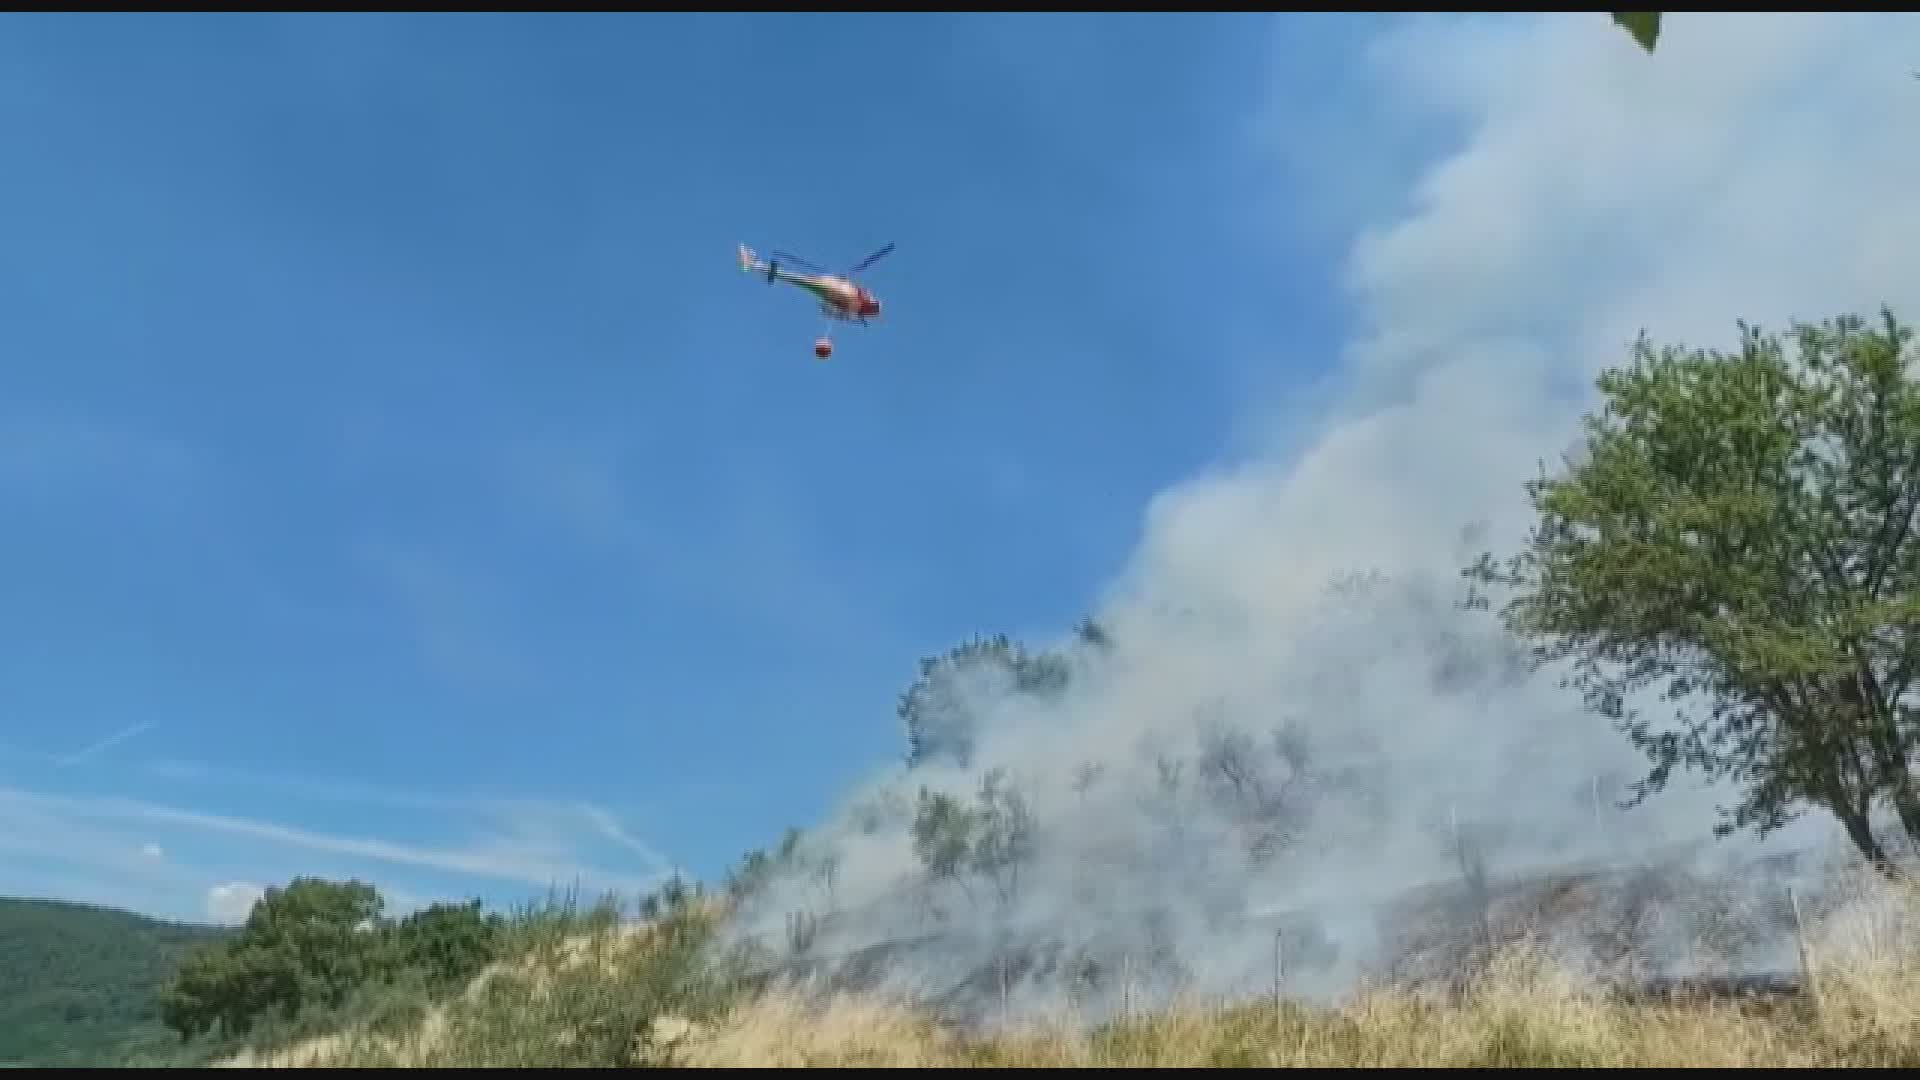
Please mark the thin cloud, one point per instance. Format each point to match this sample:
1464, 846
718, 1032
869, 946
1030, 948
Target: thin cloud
43, 850
230, 903
340, 791
108, 743
525, 868
596, 819
607, 826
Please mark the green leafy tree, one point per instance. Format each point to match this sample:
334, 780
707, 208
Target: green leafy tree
312, 943
943, 834
448, 943
320, 938
202, 995
752, 875
1002, 833
938, 710
1738, 533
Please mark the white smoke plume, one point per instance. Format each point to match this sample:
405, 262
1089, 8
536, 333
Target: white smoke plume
1273, 747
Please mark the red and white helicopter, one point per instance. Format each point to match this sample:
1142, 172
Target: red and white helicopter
840, 297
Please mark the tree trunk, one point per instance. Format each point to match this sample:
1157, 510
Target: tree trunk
1877, 718
1860, 831
1907, 805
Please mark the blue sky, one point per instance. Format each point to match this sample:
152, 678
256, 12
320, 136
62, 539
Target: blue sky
396, 465
400, 480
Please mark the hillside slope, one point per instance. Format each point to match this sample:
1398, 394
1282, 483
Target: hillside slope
622, 996
77, 982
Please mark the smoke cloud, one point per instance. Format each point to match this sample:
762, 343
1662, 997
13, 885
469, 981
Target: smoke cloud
1297, 750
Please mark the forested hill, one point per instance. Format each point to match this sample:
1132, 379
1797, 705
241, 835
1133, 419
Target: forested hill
77, 982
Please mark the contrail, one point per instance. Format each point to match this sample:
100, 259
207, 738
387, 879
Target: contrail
610, 828
110, 741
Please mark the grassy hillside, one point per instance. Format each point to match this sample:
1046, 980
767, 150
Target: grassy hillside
77, 982
609, 995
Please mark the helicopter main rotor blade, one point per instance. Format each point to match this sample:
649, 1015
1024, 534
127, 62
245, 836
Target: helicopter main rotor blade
873, 258
788, 257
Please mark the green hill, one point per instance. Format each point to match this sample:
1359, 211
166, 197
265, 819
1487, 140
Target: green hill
77, 982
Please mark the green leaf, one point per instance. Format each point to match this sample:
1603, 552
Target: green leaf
1643, 25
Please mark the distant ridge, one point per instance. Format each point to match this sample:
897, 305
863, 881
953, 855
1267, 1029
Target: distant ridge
77, 981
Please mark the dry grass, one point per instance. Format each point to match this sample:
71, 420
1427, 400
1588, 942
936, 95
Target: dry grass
603, 1001
1521, 1016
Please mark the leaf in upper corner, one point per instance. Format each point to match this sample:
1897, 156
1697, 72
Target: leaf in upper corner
1643, 25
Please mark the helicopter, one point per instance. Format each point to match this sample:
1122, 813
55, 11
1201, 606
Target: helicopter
841, 298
